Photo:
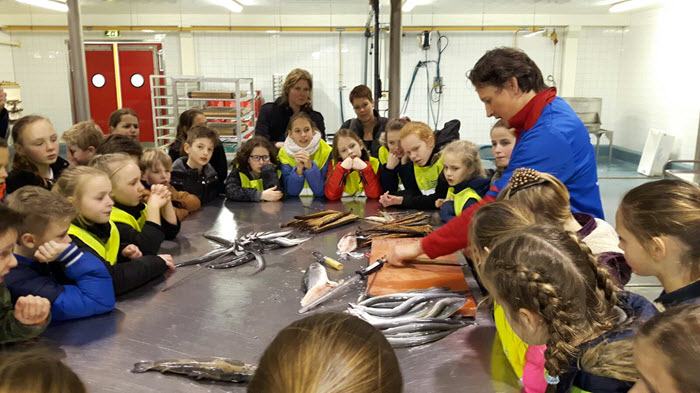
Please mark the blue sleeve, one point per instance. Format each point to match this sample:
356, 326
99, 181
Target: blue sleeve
447, 211
389, 179
317, 179
93, 292
542, 151
293, 183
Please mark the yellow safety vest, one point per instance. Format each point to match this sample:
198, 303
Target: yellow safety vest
109, 251
353, 183
247, 183
427, 176
462, 197
383, 158
119, 215
320, 157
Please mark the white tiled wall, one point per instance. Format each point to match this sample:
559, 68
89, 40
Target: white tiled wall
259, 55
7, 68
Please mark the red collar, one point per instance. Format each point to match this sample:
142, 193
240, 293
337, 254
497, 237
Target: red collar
528, 116
2, 190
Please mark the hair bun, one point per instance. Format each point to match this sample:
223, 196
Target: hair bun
523, 178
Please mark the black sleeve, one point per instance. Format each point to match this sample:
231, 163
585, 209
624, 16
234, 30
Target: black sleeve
389, 178
148, 240
320, 123
169, 230
4, 123
174, 149
269, 177
235, 190
218, 161
130, 275
426, 202
262, 125
408, 178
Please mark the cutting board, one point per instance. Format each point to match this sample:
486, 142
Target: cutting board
392, 279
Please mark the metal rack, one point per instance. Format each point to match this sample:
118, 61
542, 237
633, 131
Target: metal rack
169, 97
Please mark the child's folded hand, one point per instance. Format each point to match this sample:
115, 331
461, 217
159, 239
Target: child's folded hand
32, 310
347, 163
132, 252
49, 251
358, 164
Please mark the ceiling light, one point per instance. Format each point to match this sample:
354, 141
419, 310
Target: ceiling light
48, 4
629, 5
229, 5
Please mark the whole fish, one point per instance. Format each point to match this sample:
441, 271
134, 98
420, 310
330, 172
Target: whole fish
209, 256
441, 308
272, 235
415, 340
260, 264
233, 262
418, 327
219, 239
315, 283
217, 369
288, 242
396, 323
406, 305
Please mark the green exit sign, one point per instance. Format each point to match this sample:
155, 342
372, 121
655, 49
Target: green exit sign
112, 33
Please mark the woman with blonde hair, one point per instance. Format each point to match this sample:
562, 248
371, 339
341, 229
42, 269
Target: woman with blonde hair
328, 353
296, 96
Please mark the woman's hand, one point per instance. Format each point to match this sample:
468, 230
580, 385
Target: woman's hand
398, 255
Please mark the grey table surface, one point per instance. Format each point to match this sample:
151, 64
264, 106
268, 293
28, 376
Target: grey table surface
229, 313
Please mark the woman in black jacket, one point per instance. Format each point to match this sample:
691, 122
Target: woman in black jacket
296, 96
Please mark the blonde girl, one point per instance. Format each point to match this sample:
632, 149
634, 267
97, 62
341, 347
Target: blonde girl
667, 352
659, 227
152, 222
465, 176
89, 190
426, 183
502, 143
330, 353
553, 291
548, 198
353, 171
36, 161
304, 158
394, 163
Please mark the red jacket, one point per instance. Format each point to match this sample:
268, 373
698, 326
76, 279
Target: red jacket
335, 182
453, 236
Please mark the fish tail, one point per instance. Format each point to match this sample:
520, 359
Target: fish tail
141, 367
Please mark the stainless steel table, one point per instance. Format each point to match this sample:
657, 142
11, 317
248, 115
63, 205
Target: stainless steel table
231, 314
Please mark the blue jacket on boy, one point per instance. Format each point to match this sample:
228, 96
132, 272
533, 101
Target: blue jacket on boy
77, 284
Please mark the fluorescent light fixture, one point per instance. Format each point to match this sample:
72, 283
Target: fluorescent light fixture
629, 5
48, 4
272, 31
229, 5
534, 33
410, 4
148, 31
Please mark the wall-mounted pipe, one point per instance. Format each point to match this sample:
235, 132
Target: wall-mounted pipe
395, 60
81, 98
270, 28
377, 81
16, 44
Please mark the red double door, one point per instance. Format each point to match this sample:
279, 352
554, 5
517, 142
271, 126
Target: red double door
119, 77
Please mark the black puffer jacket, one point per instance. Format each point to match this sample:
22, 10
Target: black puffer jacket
205, 185
274, 117
18, 178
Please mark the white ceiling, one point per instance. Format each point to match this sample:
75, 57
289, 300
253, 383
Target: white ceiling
333, 7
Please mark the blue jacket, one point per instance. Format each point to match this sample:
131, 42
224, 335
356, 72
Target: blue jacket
293, 183
82, 289
559, 144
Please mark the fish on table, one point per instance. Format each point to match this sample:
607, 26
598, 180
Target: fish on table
315, 283
212, 368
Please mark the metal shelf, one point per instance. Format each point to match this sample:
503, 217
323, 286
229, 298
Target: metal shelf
244, 99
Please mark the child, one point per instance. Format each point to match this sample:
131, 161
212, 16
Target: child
49, 265
463, 172
554, 292
36, 371
117, 143
426, 183
667, 352
304, 158
36, 161
124, 122
254, 176
188, 119
155, 168
328, 352
548, 198
31, 315
392, 158
353, 171
88, 189
4, 162
148, 224
659, 227
502, 144
194, 173
82, 142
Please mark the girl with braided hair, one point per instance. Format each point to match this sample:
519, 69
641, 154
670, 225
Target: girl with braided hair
659, 226
549, 200
555, 293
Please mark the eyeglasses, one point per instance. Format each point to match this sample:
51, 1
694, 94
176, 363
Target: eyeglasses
260, 158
